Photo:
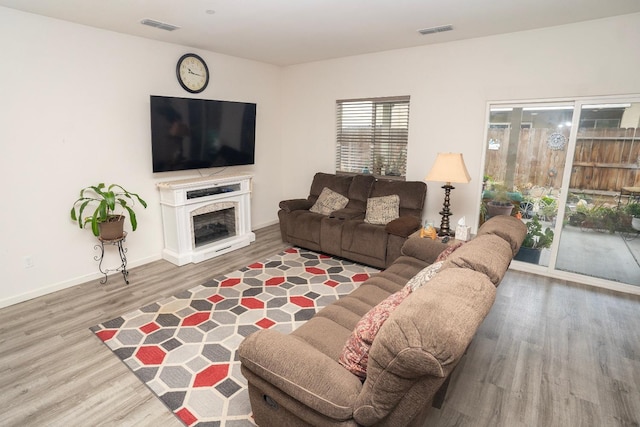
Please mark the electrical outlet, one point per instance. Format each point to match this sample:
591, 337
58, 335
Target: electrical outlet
28, 261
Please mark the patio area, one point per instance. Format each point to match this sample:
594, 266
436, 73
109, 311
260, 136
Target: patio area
597, 254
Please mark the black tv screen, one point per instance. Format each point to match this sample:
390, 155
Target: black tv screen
201, 133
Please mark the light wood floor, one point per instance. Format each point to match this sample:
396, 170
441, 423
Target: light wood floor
549, 353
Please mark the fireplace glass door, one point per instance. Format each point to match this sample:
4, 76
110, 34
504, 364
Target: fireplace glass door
210, 227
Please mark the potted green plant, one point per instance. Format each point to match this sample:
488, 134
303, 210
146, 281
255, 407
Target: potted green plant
500, 203
535, 240
633, 209
104, 221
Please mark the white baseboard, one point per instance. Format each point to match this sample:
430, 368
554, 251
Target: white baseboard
16, 299
266, 224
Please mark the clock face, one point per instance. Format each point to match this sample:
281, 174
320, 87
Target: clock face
192, 73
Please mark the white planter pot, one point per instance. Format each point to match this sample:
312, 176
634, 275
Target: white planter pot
635, 223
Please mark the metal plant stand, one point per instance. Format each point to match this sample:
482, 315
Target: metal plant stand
122, 251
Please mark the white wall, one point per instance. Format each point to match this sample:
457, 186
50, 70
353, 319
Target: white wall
75, 112
450, 85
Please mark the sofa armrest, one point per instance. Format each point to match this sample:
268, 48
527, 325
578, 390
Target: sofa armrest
299, 370
295, 205
424, 249
347, 213
403, 226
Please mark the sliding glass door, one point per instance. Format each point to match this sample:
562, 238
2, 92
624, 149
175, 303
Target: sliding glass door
597, 238
571, 171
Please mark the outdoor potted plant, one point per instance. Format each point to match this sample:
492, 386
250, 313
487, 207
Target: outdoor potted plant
105, 223
500, 203
633, 209
535, 240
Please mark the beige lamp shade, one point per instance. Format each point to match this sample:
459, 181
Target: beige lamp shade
449, 167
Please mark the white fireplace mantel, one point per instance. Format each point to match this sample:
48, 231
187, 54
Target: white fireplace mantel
183, 200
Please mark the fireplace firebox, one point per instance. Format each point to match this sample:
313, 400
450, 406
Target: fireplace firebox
209, 227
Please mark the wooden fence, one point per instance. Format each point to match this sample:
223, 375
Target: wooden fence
605, 159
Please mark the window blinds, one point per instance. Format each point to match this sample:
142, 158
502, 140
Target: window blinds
372, 135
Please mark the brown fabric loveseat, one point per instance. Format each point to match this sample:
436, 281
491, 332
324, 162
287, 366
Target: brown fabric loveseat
344, 232
296, 379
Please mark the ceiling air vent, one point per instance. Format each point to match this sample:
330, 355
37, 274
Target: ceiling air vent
158, 24
433, 30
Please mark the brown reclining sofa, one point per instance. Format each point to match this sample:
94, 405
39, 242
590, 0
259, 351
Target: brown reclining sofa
344, 232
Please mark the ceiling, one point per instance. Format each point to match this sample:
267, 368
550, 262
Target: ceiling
287, 32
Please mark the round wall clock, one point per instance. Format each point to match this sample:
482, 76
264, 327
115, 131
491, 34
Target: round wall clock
192, 73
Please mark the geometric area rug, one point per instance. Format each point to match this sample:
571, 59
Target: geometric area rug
184, 347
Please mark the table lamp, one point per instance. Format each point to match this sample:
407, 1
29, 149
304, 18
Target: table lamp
448, 168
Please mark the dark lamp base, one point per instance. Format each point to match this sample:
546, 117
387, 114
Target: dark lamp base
445, 212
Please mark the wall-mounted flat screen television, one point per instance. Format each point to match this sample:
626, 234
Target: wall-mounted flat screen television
191, 133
